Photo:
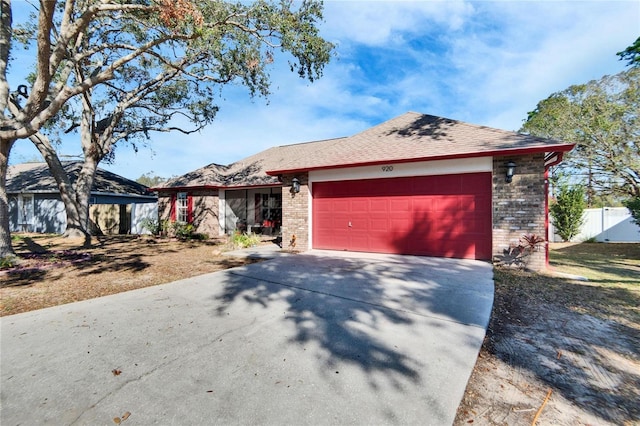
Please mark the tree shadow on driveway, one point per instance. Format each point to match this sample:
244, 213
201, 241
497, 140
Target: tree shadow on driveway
386, 315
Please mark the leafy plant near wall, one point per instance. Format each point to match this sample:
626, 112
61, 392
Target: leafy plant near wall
634, 207
154, 226
518, 255
243, 240
183, 231
567, 210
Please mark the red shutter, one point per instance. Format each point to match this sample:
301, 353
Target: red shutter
172, 207
189, 208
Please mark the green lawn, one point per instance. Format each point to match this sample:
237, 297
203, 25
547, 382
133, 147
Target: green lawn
602, 263
613, 273
612, 291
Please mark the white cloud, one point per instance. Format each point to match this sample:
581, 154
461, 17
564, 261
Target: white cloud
534, 49
378, 23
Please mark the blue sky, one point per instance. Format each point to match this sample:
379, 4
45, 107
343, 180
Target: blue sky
486, 63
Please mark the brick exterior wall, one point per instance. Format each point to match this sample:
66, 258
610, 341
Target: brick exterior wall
295, 213
519, 206
206, 207
164, 206
205, 210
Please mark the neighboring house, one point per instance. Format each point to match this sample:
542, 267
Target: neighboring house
416, 184
35, 204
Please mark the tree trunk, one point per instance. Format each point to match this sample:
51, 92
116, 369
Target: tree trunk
6, 249
68, 196
5, 144
83, 186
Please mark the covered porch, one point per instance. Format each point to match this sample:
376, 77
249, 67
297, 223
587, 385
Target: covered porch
251, 210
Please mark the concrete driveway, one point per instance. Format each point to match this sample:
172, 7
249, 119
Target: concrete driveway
316, 338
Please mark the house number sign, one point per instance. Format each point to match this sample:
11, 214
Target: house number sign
387, 168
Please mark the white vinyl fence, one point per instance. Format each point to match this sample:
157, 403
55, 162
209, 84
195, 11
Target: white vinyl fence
607, 224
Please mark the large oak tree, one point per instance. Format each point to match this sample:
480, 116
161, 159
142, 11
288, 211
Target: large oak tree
603, 118
118, 70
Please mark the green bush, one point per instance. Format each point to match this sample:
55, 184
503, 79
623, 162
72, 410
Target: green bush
183, 231
8, 262
165, 227
567, 210
634, 207
243, 240
152, 225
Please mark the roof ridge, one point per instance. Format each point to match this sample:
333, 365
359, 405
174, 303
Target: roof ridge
310, 142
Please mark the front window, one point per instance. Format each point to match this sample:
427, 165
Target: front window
182, 207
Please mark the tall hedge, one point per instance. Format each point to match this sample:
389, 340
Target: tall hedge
567, 210
634, 207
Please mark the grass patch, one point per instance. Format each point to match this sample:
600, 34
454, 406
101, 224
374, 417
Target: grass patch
603, 263
619, 302
613, 271
612, 292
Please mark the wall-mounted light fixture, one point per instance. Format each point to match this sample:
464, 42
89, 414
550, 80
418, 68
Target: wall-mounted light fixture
511, 170
295, 185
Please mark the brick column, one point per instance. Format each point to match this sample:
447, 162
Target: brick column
295, 213
519, 206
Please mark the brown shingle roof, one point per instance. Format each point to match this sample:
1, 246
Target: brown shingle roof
409, 137
250, 171
416, 137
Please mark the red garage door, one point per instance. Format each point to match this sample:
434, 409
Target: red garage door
446, 216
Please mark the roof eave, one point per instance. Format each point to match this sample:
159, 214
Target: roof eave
204, 187
262, 185
493, 153
121, 194
183, 188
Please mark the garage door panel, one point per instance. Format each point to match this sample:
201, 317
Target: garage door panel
379, 225
478, 204
446, 204
400, 225
341, 242
379, 205
474, 226
359, 204
444, 248
399, 204
447, 215
358, 241
340, 206
422, 204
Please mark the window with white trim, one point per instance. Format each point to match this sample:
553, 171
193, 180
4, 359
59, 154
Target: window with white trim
182, 207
